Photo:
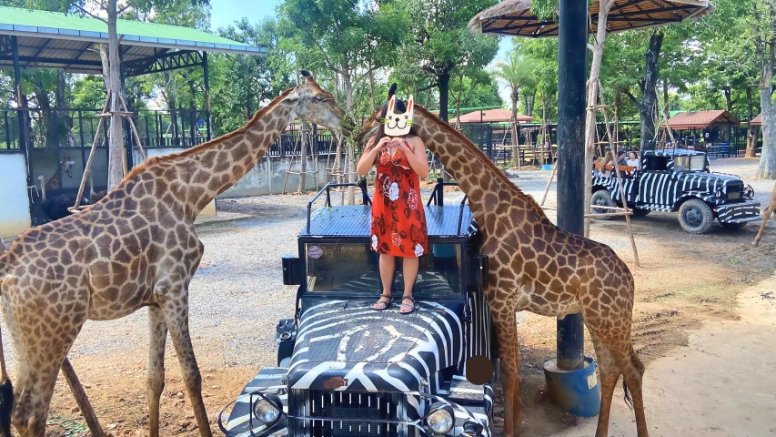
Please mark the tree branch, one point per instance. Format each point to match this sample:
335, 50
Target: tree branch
633, 98
90, 14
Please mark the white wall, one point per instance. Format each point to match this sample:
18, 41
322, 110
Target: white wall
14, 197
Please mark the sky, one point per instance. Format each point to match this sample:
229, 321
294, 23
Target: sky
226, 12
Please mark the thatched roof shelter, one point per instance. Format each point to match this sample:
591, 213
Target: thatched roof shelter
514, 17
499, 115
701, 120
757, 121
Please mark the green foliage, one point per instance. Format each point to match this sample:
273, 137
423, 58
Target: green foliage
441, 43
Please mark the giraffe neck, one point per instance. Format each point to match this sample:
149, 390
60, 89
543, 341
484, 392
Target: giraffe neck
484, 184
53, 182
196, 176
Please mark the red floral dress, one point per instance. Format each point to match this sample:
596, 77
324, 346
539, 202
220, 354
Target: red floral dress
398, 218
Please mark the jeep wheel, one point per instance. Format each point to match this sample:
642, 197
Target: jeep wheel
638, 212
601, 198
695, 216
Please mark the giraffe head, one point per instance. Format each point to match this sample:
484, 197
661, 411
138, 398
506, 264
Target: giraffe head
66, 165
312, 103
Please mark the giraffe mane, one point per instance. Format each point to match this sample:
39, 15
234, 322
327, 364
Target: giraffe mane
489, 165
204, 146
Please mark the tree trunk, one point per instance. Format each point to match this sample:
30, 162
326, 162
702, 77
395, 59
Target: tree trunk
444, 92
515, 95
592, 101
116, 161
347, 83
649, 99
751, 131
766, 49
530, 100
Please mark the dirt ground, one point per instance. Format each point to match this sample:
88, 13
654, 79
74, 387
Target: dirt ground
703, 324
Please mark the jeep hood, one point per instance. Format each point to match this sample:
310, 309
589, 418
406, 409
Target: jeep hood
348, 346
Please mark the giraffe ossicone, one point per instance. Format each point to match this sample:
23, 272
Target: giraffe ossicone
137, 247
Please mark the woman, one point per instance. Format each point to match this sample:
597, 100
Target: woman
633, 160
398, 220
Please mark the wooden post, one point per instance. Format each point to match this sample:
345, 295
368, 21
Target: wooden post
81, 399
88, 167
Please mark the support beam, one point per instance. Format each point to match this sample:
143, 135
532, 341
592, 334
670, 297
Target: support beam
206, 74
572, 72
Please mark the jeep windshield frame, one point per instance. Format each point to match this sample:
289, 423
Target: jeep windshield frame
338, 262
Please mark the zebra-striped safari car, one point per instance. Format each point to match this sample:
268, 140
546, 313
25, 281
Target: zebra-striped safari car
345, 369
679, 180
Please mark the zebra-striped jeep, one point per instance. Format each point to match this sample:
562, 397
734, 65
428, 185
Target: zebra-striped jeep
344, 369
680, 180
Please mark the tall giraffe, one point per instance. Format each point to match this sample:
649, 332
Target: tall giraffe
64, 166
535, 266
768, 212
136, 247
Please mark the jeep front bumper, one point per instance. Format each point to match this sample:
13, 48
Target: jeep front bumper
469, 421
738, 212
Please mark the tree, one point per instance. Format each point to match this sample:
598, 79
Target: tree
441, 42
763, 22
518, 71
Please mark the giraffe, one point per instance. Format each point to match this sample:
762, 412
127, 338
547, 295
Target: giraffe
136, 247
64, 166
769, 211
535, 266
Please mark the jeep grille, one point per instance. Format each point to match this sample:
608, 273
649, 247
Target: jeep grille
334, 414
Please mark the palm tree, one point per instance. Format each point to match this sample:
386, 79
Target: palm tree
518, 72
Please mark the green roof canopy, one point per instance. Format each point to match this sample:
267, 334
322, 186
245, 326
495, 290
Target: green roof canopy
58, 40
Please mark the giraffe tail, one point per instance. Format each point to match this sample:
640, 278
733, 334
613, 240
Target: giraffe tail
6, 388
6, 396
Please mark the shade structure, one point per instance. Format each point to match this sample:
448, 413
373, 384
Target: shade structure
493, 116
514, 17
700, 119
757, 121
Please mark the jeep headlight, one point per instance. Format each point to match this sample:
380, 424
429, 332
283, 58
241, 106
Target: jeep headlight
440, 418
267, 408
718, 194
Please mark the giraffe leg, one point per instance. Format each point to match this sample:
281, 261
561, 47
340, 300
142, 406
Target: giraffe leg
44, 352
609, 373
633, 378
510, 367
176, 314
615, 346
155, 366
766, 216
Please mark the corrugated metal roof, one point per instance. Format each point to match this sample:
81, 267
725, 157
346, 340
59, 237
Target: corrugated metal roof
701, 119
354, 221
52, 39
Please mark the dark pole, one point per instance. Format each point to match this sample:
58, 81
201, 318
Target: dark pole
572, 68
206, 73
21, 110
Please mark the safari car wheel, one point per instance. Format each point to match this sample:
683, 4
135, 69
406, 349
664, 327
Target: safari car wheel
695, 216
601, 198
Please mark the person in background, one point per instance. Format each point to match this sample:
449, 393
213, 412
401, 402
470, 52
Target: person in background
621, 158
633, 160
398, 226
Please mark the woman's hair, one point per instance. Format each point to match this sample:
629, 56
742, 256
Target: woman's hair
399, 108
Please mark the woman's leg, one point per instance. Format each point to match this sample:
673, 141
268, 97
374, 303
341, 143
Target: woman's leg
387, 266
410, 269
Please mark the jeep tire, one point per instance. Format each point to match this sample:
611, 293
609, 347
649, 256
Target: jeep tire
601, 198
695, 216
638, 212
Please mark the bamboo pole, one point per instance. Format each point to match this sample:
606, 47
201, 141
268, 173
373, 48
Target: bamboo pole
133, 128
81, 399
88, 166
618, 173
